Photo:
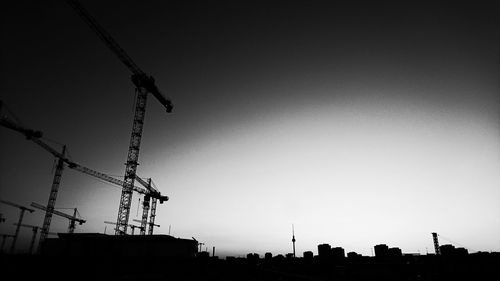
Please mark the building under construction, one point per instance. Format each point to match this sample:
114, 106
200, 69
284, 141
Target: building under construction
102, 245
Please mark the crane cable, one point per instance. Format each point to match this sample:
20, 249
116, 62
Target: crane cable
449, 240
77, 212
12, 115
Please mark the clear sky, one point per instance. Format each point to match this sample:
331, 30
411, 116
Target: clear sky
359, 123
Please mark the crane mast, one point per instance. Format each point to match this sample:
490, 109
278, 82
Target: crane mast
436, 243
144, 84
152, 216
132, 162
145, 211
52, 198
71, 227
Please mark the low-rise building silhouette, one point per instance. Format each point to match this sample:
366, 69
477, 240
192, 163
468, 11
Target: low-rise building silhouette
102, 245
395, 252
308, 255
353, 255
203, 255
253, 256
447, 250
461, 252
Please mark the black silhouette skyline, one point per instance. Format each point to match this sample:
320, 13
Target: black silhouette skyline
361, 123
164, 257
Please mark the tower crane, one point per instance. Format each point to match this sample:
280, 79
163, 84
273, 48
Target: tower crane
35, 136
21, 216
72, 219
145, 207
62, 159
35, 229
144, 84
197, 243
436, 243
71, 228
152, 216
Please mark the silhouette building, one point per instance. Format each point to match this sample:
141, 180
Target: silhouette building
324, 251
395, 252
308, 255
381, 251
102, 245
253, 256
353, 255
461, 252
447, 250
338, 253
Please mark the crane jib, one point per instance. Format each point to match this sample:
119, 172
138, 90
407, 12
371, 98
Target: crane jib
120, 53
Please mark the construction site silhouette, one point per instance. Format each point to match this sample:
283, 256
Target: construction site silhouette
162, 257
341, 53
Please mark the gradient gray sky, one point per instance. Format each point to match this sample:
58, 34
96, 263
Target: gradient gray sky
361, 123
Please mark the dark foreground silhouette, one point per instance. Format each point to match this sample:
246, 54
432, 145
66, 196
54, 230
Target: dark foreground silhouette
477, 266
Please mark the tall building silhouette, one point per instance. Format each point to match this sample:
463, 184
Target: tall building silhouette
324, 251
381, 251
338, 253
